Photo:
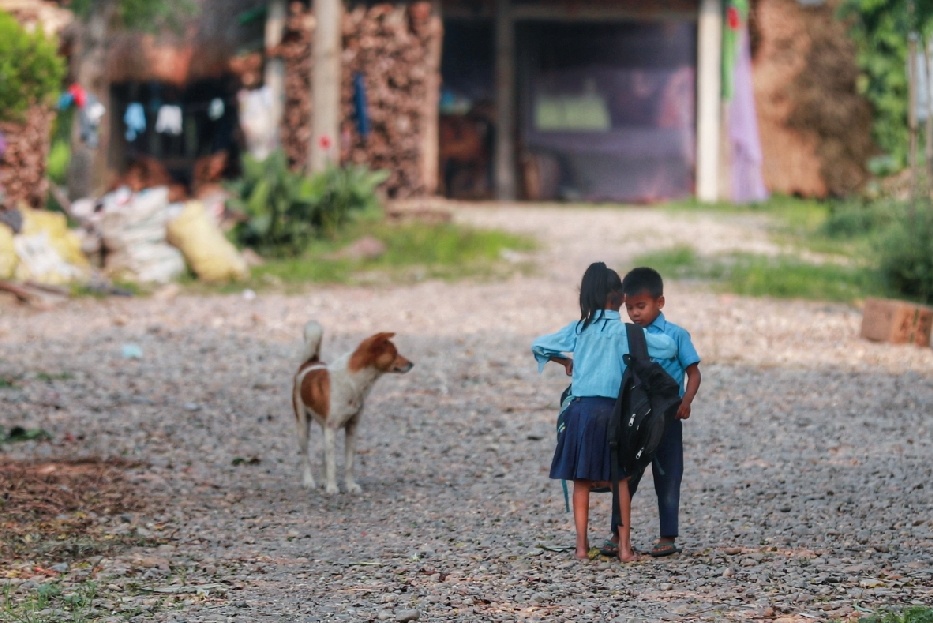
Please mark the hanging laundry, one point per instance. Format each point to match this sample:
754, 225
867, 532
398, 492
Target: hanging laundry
135, 120
257, 123
216, 109
359, 103
65, 100
169, 120
89, 118
79, 95
748, 184
736, 20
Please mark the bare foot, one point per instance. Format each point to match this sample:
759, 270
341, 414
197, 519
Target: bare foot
582, 554
627, 554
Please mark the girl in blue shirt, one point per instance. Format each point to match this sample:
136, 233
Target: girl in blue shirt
597, 342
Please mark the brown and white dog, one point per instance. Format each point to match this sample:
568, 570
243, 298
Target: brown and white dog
333, 395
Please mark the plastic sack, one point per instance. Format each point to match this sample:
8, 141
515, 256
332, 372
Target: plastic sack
133, 233
55, 226
209, 254
40, 261
8, 257
47, 251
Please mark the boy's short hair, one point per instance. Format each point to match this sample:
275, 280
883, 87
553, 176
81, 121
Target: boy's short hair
643, 279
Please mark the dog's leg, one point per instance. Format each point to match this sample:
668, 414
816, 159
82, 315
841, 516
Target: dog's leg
303, 425
330, 463
349, 449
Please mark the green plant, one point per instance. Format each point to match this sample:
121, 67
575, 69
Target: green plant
413, 251
50, 603
880, 30
782, 276
286, 210
916, 614
858, 218
60, 151
905, 254
30, 69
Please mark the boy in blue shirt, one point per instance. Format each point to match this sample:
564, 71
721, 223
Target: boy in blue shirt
644, 299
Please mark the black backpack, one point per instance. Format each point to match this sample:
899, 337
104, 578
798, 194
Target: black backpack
648, 400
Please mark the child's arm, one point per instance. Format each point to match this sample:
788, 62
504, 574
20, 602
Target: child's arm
567, 362
554, 346
693, 384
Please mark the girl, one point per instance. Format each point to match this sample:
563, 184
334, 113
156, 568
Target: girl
598, 343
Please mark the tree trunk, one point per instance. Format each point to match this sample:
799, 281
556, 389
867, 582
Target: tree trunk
88, 167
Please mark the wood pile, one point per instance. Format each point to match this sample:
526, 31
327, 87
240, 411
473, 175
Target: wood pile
22, 168
815, 127
390, 46
296, 51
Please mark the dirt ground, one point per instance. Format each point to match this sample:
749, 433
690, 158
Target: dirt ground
806, 494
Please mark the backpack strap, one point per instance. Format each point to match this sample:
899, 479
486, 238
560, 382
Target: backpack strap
637, 345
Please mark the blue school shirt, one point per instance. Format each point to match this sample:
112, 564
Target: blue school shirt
597, 352
686, 355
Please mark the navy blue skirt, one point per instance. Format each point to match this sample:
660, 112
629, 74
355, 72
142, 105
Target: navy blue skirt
582, 451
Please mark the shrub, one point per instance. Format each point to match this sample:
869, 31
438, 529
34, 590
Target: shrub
905, 254
31, 71
854, 218
285, 211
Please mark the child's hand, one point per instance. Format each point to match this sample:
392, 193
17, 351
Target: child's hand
683, 412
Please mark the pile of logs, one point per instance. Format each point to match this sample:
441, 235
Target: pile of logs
393, 48
296, 51
22, 167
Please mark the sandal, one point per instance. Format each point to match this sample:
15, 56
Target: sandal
609, 548
663, 548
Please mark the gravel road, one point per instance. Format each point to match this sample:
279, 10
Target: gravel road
807, 495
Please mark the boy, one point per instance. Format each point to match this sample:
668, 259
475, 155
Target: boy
644, 299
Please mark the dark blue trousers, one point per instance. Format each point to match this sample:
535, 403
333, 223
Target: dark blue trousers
668, 472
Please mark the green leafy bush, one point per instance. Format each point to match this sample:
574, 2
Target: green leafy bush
853, 218
30, 69
905, 254
285, 211
914, 614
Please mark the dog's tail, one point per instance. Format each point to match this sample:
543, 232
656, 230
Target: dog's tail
311, 351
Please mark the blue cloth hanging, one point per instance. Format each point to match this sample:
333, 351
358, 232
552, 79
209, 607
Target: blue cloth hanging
359, 103
65, 100
135, 120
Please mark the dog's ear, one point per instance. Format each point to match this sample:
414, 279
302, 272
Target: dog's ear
382, 337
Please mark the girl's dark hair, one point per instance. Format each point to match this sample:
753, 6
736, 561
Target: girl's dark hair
598, 283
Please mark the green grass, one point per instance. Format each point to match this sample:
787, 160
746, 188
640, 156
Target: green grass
82, 602
783, 276
413, 252
916, 614
50, 603
827, 251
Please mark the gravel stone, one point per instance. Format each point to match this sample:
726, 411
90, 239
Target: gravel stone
806, 493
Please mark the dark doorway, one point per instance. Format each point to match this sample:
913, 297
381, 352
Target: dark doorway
607, 111
467, 109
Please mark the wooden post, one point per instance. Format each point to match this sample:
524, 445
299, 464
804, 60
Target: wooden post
928, 127
325, 85
431, 147
87, 170
275, 65
505, 102
709, 60
912, 110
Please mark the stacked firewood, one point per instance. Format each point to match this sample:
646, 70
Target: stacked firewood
22, 167
296, 50
389, 46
